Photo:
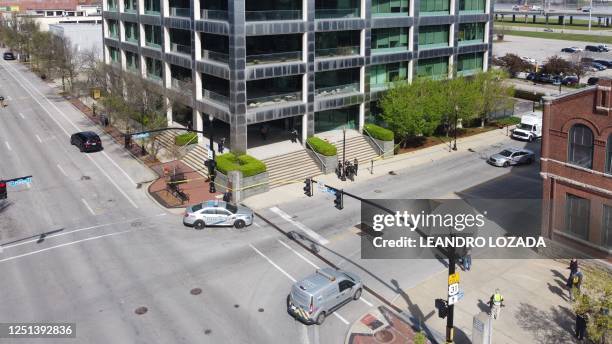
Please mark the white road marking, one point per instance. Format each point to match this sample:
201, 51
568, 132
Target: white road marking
288, 276
38, 138
7, 145
64, 129
88, 207
62, 245
305, 339
317, 338
62, 170
299, 255
80, 230
256, 224
366, 302
21, 115
119, 168
314, 235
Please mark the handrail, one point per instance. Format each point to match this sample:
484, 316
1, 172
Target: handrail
323, 166
184, 147
382, 150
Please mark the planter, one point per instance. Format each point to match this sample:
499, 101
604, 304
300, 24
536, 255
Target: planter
387, 147
330, 161
247, 186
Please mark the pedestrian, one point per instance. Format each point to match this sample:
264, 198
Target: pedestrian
339, 169
264, 132
221, 144
348, 170
581, 322
573, 266
355, 165
576, 282
227, 196
467, 260
496, 303
294, 135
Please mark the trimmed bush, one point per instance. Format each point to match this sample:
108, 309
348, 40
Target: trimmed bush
248, 165
379, 132
528, 95
322, 147
186, 138
508, 121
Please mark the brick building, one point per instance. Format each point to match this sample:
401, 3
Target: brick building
577, 169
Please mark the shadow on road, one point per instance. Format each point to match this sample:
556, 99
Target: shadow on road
547, 327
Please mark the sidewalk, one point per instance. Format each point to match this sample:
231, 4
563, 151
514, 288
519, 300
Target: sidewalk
537, 307
418, 157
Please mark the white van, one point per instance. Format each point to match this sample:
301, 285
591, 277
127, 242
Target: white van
530, 127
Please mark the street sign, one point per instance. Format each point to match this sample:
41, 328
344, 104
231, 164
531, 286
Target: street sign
210, 154
453, 299
140, 136
454, 278
454, 293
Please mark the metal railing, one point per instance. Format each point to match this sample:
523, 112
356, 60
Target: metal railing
337, 90
337, 13
131, 39
381, 150
152, 44
215, 56
339, 51
153, 12
214, 15
274, 99
130, 10
180, 12
273, 15
181, 49
216, 97
323, 166
274, 57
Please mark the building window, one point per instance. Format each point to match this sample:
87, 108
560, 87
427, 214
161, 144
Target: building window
381, 75
113, 28
581, 146
609, 155
154, 68
577, 210
390, 7
151, 6
393, 39
468, 64
606, 227
131, 32
114, 54
132, 62
473, 6
131, 5
152, 36
471, 33
436, 68
435, 7
434, 36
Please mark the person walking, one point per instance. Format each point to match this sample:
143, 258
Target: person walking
355, 165
339, 169
576, 282
294, 135
573, 266
581, 324
467, 260
496, 303
221, 145
264, 132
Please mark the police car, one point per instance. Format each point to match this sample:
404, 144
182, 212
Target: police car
217, 213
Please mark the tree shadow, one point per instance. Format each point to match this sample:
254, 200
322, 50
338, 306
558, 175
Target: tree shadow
414, 310
547, 327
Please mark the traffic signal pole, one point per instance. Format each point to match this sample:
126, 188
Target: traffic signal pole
450, 330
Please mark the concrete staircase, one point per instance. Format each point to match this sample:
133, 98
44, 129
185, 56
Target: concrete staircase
166, 138
357, 147
195, 159
295, 166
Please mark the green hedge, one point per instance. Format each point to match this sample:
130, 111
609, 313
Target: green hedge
248, 165
508, 121
528, 95
322, 147
183, 139
379, 133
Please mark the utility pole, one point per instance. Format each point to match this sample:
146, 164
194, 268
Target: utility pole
343, 175
450, 330
590, 13
212, 164
456, 122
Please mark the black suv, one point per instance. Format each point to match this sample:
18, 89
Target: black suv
592, 81
8, 56
593, 48
87, 141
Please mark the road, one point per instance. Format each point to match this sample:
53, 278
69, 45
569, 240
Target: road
109, 249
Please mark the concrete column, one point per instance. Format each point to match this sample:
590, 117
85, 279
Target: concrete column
140, 6
513, 18
571, 20
165, 8
168, 111
485, 61
547, 19
451, 66
534, 18
237, 65
197, 84
361, 117
561, 20
453, 9
304, 128
198, 123
410, 70
197, 13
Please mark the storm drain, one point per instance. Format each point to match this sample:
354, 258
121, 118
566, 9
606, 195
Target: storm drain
141, 310
196, 291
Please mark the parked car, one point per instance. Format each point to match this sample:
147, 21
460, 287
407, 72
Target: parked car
528, 59
217, 213
8, 56
603, 47
592, 81
511, 156
585, 9
570, 80
571, 50
86, 141
531, 76
535, 8
315, 297
556, 80
593, 48
606, 63
545, 78
516, 8
598, 66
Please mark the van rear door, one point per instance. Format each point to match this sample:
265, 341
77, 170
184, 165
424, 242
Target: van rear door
300, 298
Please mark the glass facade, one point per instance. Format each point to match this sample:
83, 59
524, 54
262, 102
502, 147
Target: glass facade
154, 68
215, 89
132, 62
472, 6
577, 212
215, 9
115, 55
112, 5
434, 36
113, 28
382, 8
273, 49
336, 43
337, 119
152, 7
180, 41
336, 82
606, 227
152, 36
436, 68
131, 32
389, 40
264, 10
382, 75
274, 91
469, 63
471, 33
179, 8
434, 7
326, 9
131, 5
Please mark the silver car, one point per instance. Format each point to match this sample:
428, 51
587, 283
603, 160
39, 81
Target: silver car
511, 156
217, 213
318, 295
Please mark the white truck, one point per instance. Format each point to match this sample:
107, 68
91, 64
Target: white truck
530, 127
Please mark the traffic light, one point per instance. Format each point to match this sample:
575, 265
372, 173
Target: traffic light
3, 193
339, 201
308, 187
442, 307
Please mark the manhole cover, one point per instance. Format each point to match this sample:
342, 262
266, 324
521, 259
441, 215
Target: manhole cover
207, 331
392, 173
377, 191
85, 177
141, 310
196, 291
260, 310
383, 336
236, 306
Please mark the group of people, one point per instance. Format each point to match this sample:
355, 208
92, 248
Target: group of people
347, 170
574, 281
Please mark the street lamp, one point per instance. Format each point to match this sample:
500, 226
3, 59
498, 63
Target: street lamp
342, 174
211, 162
456, 121
590, 13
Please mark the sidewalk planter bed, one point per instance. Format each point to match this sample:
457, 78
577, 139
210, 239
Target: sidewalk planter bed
323, 151
383, 138
187, 138
252, 174
507, 121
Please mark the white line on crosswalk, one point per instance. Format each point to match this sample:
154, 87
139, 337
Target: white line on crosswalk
88, 207
314, 235
299, 254
38, 138
62, 170
21, 115
7, 145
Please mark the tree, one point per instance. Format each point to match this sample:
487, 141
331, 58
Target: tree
595, 300
460, 100
557, 65
493, 93
513, 64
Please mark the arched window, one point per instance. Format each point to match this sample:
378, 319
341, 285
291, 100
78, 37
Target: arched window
581, 146
609, 155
